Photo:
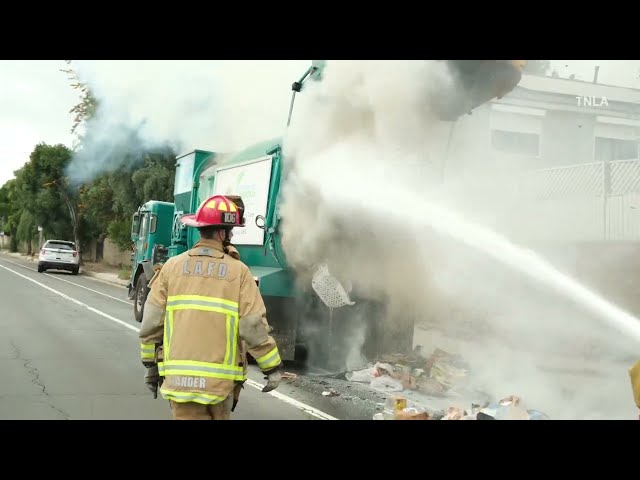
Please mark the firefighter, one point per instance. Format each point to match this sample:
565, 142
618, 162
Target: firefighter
202, 307
634, 375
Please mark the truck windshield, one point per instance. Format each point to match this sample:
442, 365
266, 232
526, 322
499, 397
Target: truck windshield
184, 174
148, 224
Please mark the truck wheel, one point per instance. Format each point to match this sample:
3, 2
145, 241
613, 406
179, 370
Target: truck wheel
140, 297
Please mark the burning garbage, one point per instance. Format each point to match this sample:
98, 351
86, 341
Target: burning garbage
509, 408
399, 408
435, 375
440, 375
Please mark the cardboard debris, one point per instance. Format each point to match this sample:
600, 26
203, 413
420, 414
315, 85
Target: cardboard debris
408, 381
446, 369
412, 414
454, 413
431, 386
435, 375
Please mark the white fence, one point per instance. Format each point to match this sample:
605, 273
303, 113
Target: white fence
586, 202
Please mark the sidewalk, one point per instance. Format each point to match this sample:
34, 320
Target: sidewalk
107, 277
94, 270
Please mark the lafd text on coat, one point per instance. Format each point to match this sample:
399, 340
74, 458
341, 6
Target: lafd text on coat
204, 269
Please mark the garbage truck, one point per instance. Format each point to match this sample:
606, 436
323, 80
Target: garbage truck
257, 174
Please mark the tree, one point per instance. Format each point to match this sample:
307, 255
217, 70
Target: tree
88, 105
10, 212
45, 197
106, 203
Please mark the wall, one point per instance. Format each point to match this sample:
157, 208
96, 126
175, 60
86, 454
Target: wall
567, 138
113, 256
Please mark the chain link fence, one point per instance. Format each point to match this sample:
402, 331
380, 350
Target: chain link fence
587, 202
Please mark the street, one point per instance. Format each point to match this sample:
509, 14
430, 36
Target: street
69, 350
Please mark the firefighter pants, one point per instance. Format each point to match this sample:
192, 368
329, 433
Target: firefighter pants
198, 411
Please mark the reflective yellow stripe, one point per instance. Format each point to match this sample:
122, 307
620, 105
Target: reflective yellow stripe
229, 328
232, 340
147, 351
210, 304
197, 302
203, 298
168, 329
201, 369
269, 360
197, 397
222, 206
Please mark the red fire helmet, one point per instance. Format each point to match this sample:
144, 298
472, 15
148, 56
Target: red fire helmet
217, 210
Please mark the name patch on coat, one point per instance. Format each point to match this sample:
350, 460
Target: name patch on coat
203, 268
197, 382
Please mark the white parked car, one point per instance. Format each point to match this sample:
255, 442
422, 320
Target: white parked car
59, 255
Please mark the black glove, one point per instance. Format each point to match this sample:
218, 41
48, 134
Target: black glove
236, 394
152, 380
273, 380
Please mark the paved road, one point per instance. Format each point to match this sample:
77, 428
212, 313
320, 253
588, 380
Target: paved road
69, 350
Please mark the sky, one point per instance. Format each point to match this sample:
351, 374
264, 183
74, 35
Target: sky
35, 98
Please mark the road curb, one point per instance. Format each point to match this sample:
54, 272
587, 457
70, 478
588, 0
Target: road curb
109, 282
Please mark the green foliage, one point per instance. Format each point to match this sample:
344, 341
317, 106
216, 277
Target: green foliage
120, 233
27, 229
41, 195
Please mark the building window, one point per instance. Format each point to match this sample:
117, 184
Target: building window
609, 149
516, 143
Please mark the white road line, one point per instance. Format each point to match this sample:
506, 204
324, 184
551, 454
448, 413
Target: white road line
72, 283
77, 302
302, 406
295, 403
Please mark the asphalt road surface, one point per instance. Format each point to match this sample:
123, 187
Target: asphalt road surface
69, 350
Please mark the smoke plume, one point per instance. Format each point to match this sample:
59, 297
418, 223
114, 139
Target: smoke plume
211, 105
365, 138
366, 156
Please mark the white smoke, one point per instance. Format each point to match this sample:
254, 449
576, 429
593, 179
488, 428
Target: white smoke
367, 153
366, 127
211, 105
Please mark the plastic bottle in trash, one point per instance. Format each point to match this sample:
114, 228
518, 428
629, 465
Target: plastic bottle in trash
393, 405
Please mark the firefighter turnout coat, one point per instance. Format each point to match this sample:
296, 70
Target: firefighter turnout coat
202, 307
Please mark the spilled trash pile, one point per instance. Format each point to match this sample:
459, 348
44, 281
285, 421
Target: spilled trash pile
441, 374
510, 408
438, 375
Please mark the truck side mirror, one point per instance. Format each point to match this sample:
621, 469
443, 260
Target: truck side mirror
261, 219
